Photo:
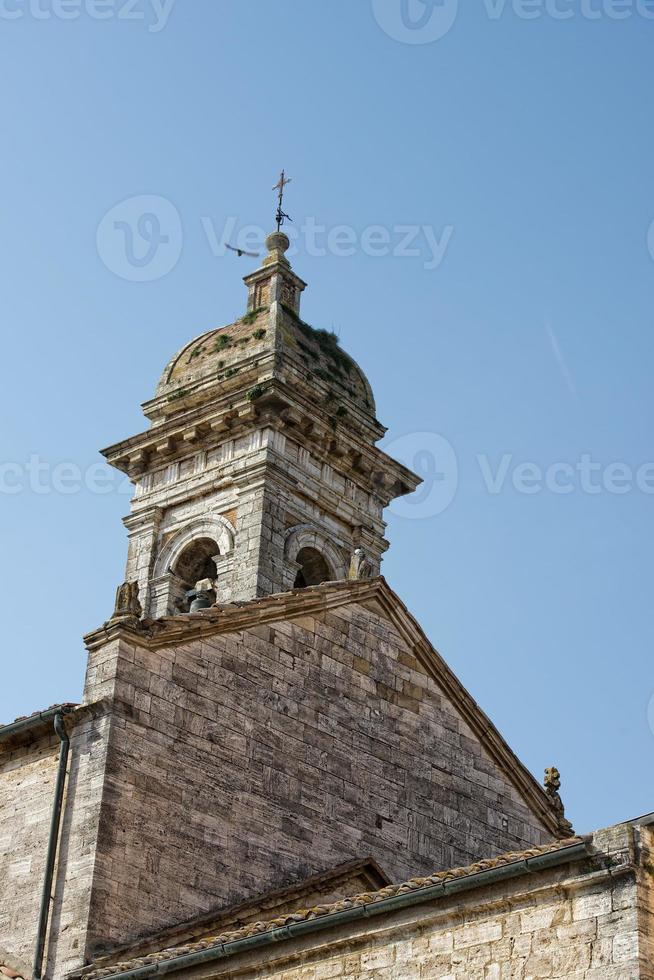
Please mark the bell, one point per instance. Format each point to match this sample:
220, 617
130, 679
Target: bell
201, 601
201, 597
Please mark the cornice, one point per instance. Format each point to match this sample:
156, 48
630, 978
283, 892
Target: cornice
280, 409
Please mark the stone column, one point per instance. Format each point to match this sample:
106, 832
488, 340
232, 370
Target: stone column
143, 533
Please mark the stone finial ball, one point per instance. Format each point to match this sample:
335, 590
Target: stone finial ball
278, 242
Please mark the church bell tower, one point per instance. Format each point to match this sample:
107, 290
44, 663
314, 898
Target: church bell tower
260, 471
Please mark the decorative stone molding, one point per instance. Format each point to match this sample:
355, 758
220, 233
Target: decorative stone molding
167, 591
208, 526
240, 420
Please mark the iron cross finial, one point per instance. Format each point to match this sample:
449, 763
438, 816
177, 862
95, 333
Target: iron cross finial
281, 215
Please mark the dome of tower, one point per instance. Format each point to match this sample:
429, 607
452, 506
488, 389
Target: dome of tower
220, 355
217, 354
270, 342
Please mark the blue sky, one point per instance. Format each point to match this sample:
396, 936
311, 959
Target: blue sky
514, 156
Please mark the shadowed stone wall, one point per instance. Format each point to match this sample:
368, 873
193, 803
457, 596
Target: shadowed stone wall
250, 760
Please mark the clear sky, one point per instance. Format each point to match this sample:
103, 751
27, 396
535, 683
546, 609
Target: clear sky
511, 157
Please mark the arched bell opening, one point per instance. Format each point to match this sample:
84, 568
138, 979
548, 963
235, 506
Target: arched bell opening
196, 572
202, 549
197, 561
313, 569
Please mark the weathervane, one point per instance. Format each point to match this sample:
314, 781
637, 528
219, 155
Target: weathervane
281, 215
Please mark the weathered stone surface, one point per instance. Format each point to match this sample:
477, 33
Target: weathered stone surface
245, 761
523, 926
27, 777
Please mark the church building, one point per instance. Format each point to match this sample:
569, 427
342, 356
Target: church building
272, 772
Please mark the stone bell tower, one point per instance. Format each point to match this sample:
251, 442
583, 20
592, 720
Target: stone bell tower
260, 471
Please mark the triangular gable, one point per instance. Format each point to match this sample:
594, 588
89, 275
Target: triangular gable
376, 595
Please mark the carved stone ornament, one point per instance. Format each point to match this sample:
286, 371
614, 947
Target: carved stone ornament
127, 608
552, 787
360, 567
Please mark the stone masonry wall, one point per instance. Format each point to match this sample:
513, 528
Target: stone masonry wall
251, 760
569, 923
78, 844
646, 898
576, 937
27, 778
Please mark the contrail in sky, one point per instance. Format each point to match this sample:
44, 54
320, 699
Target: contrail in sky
561, 361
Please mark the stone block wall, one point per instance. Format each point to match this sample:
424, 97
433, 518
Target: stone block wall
577, 922
27, 778
265, 481
645, 851
78, 842
249, 760
580, 937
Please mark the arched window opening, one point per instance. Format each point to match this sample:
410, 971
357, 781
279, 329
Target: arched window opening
196, 564
313, 569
